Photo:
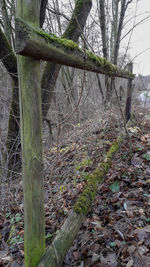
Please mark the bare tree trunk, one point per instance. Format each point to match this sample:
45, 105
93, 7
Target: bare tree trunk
102, 17
8, 57
100, 88
118, 26
9, 60
119, 31
43, 12
6, 21
114, 27
129, 95
116, 31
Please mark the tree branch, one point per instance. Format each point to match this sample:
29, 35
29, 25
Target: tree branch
8, 57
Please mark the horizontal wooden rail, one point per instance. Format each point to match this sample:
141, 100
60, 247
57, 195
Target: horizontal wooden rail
34, 42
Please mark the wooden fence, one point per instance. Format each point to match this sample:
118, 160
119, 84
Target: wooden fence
33, 45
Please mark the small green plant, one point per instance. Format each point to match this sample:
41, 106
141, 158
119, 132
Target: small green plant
62, 188
16, 240
49, 235
13, 218
125, 155
146, 156
16, 218
126, 175
115, 187
80, 169
112, 244
8, 214
85, 175
83, 164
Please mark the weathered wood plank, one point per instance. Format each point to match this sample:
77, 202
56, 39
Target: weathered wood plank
33, 42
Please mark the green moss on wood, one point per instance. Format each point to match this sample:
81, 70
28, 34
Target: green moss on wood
62, 41
102, 62
113, 149
97, 177
51, 38
27, 28
105, 66
86, 198
100, 171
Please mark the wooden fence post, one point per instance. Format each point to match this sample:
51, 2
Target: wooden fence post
129, 95
31, 141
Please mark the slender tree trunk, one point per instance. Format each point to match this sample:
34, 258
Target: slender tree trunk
31, 141
120, 27
129, 95
43, 12
115, 36
9, 60
6, 21
102, 18
100, 88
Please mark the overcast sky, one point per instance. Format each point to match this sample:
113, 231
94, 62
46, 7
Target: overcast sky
141, 41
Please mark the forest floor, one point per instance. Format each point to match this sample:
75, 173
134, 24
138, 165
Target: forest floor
116, 231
